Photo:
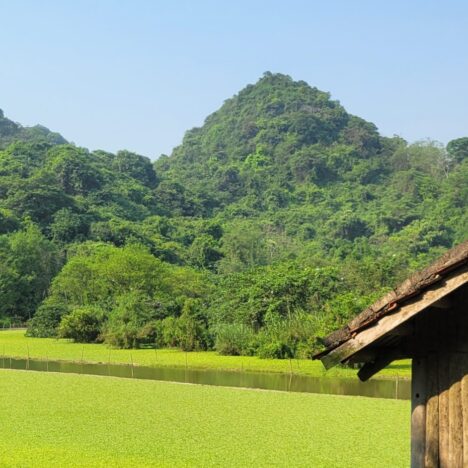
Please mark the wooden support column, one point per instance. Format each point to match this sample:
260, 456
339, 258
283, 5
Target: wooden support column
464, 394
431, 453
418, 412
444, 386
439, 418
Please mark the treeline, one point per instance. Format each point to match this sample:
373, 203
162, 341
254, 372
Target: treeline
273, 223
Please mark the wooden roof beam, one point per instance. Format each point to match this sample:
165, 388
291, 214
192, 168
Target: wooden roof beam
389, 322
371, 368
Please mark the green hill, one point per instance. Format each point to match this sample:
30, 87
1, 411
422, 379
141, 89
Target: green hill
266, 141
285, 158
11, 131
276, 220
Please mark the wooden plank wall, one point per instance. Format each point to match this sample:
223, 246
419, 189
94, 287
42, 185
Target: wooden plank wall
439, 419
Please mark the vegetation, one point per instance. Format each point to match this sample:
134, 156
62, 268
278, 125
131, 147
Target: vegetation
273, 223
14, 343
120, 422
11, 131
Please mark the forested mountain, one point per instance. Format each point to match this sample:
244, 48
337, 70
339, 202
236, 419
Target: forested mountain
274, 221
11, 131
291, 163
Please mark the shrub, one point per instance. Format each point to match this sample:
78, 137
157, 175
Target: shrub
47, 319
275, 350
188, 332
193, 327
132, 322
129, 335
234, 339
170, 331
295, 337
83, 324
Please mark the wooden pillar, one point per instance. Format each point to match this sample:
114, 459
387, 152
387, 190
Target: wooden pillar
439, 417
418, 412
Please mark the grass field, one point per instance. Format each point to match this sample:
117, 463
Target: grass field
76, 420
14, 343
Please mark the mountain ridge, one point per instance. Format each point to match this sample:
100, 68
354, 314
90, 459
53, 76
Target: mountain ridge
11, 131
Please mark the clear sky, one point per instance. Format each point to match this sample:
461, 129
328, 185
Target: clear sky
136, 74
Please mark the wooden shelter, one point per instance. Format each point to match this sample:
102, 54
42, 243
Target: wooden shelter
426, 319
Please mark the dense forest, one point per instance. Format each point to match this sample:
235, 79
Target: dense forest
278, 219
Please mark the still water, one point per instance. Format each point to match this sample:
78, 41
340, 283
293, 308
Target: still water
399, 389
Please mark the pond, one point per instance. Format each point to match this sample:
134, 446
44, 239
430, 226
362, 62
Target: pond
377, 388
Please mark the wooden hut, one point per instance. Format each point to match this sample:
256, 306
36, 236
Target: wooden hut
425, 319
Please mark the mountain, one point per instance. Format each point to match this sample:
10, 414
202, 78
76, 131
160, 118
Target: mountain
277, 132
309, 177
11, 131
275, 221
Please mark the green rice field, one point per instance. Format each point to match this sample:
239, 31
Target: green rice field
76, 420
14, 343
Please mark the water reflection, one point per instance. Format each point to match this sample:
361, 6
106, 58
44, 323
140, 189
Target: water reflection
399, 389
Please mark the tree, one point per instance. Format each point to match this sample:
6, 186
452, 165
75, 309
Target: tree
29, 262
458, 149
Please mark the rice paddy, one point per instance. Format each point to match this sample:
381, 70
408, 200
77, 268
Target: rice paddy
76, 420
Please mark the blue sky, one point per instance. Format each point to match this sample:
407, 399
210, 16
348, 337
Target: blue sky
137, 74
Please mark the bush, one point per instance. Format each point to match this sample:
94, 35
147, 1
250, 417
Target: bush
132, 322
275, 350
188, 332
284, 339
234, 339
83, 324
193, 327
170, 332
129, 335
47, 319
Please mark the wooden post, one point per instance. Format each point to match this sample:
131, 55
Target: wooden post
455, 413
443, 410
431, 456
439, 419
464, 396
418, 413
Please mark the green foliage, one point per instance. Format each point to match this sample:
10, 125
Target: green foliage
274, 222
11, 131
82, 324
28, 262
189, 331
46, 320
458, 149
234, 339
130, 292
135, 166
131, 322
292, 337
268, 294
15, 343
